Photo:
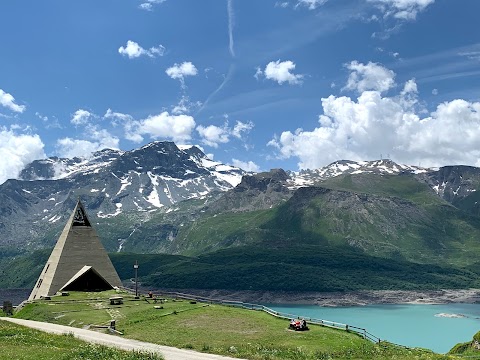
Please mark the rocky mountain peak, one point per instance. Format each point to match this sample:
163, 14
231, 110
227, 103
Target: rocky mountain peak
273, 180
342, 167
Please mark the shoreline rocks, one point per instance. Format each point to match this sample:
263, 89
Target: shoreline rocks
355, 298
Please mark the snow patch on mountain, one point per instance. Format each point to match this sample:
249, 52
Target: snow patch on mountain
341, 167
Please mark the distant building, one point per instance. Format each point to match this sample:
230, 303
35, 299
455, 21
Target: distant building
78, 262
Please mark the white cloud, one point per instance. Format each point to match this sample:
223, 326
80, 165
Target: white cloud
311, 4
180, 71
8, 101
282, 4
213, 135
81, 117
184, 106
115, 116
241, 127
258, 73
70, 148
162, 126
410, 87
402, 9
281, 72
148, 4
246, 165
371, 76
134, 50
363, 129
16, 151
435, 92
95, 139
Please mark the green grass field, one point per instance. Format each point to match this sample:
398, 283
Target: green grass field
21, 343
212, 328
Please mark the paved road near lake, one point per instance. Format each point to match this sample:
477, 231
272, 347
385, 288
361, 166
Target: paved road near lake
169, 353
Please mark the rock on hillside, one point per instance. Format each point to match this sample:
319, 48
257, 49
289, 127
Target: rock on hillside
255, 192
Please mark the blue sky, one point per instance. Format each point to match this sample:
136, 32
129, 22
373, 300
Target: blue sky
256, 83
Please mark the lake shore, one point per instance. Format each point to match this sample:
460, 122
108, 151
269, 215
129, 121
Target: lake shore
354, 298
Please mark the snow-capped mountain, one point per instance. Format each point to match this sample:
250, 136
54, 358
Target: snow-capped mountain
137, 198
138, 184
157, 175
342, 167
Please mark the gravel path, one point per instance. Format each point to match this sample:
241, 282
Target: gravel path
169, 353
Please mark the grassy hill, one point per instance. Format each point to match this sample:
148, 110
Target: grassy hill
21, 343
215, 329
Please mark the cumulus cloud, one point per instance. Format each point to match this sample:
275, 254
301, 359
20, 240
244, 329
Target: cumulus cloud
162, 126
371, 76
81, 117
148, 4
213, 135
16, 151
402, 9
8, 101
280, 71
134, 50
246, 165
95, 139
311, 4
364, 128
180, 71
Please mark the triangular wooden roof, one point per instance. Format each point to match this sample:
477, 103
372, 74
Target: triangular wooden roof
77, 246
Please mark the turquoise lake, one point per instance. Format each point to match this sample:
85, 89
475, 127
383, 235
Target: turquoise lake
410, 325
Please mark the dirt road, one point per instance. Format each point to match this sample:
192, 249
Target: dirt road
169, 353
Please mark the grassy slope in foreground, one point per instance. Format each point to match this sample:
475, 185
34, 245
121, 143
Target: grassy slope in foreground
468, 349
214, 329
21, 343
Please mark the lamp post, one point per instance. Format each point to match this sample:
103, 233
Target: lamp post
135, 266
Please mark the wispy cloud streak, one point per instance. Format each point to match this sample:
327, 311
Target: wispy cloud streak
231, 70
231, 23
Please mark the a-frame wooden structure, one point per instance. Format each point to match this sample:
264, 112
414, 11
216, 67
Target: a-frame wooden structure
78, 246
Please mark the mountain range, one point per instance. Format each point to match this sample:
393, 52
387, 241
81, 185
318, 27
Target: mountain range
164, 198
